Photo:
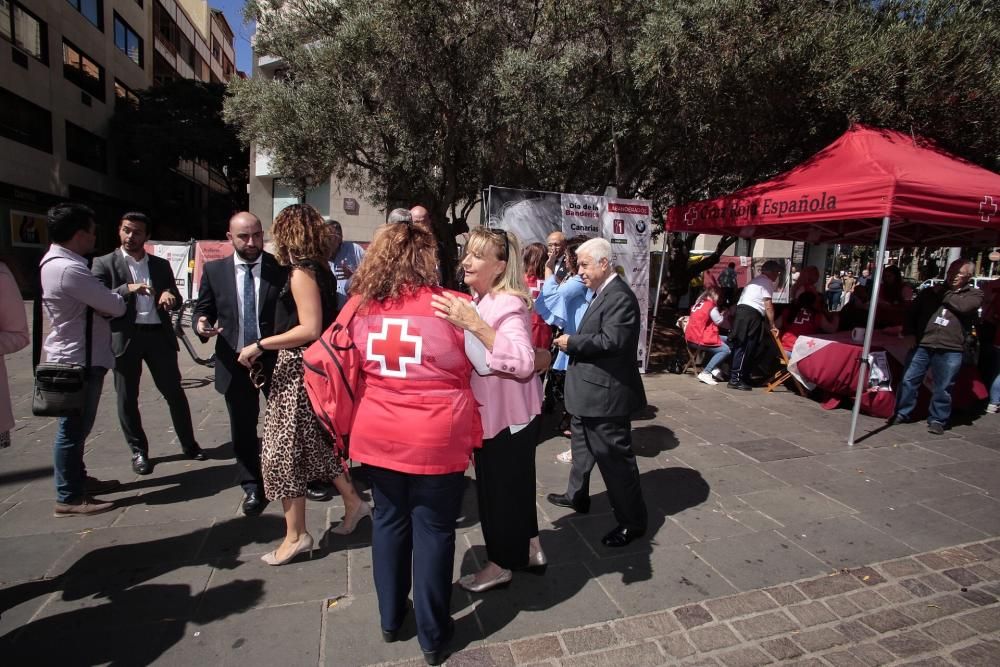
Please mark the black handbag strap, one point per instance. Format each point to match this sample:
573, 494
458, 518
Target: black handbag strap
36, 326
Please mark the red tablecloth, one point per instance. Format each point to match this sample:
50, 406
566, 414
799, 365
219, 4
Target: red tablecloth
830, 362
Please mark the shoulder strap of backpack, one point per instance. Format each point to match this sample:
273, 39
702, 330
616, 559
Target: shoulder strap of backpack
346, 313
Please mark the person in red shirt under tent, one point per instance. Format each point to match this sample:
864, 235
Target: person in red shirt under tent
702, 332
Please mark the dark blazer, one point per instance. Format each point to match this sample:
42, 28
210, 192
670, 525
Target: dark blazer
218, 301
603, 375
112, 270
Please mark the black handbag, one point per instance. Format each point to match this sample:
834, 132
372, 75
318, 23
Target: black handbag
60, 389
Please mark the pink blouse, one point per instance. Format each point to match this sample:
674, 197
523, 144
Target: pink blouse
512, 394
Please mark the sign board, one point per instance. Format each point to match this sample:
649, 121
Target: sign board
532, 215
177, 253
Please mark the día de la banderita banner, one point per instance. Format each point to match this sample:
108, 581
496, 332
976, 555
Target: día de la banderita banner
532, 215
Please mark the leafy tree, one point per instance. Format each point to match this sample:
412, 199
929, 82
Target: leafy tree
674, 101
176, 121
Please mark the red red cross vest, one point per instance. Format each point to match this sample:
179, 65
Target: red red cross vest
701, 330
415, 408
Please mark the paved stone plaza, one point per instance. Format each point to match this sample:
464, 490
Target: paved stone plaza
770, 541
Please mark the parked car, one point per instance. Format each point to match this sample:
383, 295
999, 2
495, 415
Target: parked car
930, 282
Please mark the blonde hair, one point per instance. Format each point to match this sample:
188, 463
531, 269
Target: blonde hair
511, 281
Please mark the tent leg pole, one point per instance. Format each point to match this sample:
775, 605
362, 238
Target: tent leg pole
656, 302
864, 366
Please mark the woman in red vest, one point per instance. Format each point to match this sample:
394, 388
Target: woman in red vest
702, 332
414, 430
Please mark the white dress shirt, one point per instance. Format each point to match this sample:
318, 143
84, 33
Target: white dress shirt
239, 263
145, 304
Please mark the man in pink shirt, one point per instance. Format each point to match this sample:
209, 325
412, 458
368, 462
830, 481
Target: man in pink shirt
69, 291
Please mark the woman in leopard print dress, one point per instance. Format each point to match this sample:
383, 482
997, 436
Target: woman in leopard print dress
296, 449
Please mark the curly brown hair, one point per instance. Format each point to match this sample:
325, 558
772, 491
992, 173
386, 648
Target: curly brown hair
401, 259
300, 233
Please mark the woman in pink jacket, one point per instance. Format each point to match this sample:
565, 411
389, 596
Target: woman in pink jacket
510, 396
13, 337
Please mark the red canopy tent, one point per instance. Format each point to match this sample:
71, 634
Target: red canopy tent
842, 193
870, 185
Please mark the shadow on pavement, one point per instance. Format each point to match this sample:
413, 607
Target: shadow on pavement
666, 491
652, 439
112, 589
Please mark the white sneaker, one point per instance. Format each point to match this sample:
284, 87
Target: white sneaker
993, 408
565, 457
707, 378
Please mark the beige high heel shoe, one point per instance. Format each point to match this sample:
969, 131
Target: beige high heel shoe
305, 543
352, 520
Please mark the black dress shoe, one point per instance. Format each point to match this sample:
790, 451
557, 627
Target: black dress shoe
141, 464
621, 536
253, 503
440, 654
741, 386
318, 492
562, 500
195, 453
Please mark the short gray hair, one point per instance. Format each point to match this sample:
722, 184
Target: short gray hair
399, 215
335, 224
597, 248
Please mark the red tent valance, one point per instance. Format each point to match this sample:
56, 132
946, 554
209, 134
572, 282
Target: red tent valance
841, 194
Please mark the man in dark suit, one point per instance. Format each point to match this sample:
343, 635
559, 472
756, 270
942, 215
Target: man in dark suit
603, 389
144, 334
236, 302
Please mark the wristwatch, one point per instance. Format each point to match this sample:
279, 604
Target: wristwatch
259, 346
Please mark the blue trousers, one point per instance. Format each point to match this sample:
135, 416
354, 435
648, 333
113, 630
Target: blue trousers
71, 437
719, 354
944, 366
413, 544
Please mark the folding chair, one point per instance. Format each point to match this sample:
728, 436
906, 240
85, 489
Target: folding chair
695, 355
783, 375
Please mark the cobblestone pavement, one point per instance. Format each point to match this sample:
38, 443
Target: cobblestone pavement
936, 608
755, 499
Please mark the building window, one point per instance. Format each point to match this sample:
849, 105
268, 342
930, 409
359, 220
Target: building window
227, 67
25, 29
164, 27
25, 122
124, 94
185, 50
216, 49
83, 71
86, 148
127, 41
92, 10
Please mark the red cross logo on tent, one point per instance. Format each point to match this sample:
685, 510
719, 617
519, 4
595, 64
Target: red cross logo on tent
987, 208
690, 216
810, 344
393, 348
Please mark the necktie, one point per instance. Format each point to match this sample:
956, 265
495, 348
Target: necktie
249, 307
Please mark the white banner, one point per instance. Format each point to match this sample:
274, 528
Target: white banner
178, 255
626, 224
581, 215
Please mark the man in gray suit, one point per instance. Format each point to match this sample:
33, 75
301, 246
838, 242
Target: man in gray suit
603, 389
144, 334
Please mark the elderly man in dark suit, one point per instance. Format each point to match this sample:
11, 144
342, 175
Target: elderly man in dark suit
144, 334
603, 389
236, 301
